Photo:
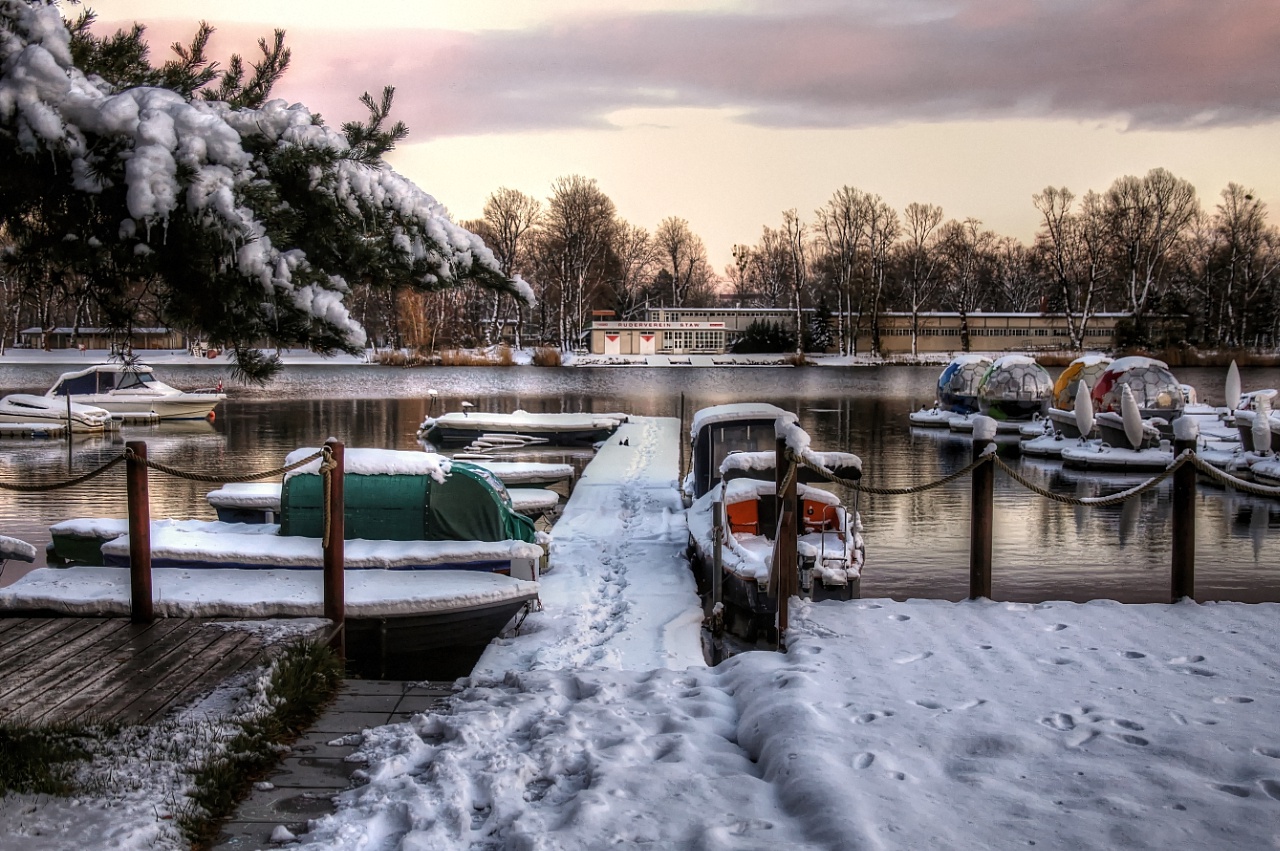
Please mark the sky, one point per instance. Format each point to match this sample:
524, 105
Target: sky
728, 112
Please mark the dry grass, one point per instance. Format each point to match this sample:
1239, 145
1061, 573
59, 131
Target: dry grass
402, 358
495, 356
1177, 356
547, 356
796, 359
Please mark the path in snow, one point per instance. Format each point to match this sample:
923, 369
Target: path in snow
619, 593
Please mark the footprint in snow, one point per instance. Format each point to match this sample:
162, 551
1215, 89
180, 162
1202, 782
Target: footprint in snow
1129, 740
1270, 788
1059, 721
1185, 660
1132, 654
1057, 660
927, 704
1057, 627
864, 760
1127, 725
899, 617
1274, 753
915, 657
1238, 791
1232, 698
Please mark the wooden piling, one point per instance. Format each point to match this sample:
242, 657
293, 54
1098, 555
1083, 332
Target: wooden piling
1183, 576
717, 556
334, 550
140, 597
784, 545
982, 510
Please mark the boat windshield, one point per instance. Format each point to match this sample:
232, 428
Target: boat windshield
133, 380
739, 437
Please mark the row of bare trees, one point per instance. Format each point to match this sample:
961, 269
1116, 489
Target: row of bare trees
1145, 247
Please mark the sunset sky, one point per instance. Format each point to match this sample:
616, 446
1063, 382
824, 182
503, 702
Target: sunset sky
727, 113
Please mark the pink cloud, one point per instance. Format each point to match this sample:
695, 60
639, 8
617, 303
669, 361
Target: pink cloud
1151, 63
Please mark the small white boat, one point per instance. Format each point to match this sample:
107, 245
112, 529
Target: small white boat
42, 410
462, 427
1099, 455
935, 417
123, 388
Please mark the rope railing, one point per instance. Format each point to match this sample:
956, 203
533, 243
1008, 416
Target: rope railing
224, 477
1182, 470
53, 486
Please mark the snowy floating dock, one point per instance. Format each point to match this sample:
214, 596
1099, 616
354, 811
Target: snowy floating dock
618, 592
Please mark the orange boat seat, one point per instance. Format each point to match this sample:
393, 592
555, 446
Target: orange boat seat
819, 516
743, 517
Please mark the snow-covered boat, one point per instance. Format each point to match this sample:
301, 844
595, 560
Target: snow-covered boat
1246, 417
399, 625
1014, 389
403, 511
733, 465
957, 392
1157, 393
1062, 412
463, 427
127, 388
42, 410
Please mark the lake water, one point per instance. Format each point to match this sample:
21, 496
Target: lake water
917, 546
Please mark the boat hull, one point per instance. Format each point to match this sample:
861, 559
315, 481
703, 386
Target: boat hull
191, 406
451, 435
436, 646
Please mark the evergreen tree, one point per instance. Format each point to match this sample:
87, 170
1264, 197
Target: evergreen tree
186, 189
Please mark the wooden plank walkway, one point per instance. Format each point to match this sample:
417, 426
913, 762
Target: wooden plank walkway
109, 669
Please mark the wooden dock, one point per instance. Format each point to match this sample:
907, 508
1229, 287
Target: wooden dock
58, 669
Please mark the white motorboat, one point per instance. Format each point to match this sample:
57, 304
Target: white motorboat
123, 388
42, 410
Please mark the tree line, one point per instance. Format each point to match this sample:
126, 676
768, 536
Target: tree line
1146, 246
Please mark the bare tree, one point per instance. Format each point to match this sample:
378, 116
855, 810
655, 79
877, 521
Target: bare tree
968, 252
882, 229
509, 218
795, 235
1073, 247
635, 257
578, 231
1015, 277
1147, 216
922, 259
683, 256
840, 232
1248, 265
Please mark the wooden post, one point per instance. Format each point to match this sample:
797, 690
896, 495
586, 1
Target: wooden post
334, 550
140, 603
982, 510
784, 544
1184, 525
717, 557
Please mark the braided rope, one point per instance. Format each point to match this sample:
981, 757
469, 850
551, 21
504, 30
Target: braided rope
1231, 481
69, 483
1098, 501
327, 466
878, 491
219, 477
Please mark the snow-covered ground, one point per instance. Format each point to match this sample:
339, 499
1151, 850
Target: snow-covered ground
920, 724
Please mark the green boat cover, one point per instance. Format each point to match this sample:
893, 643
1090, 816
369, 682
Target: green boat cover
471, 504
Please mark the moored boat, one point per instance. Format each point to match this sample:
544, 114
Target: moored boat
42, 410
957, 392
463, 427
1062, 412
1014, 389
734, 467
127, 388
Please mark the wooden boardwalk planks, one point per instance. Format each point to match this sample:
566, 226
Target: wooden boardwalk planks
108, 669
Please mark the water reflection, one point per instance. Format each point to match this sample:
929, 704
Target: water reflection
917, 545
